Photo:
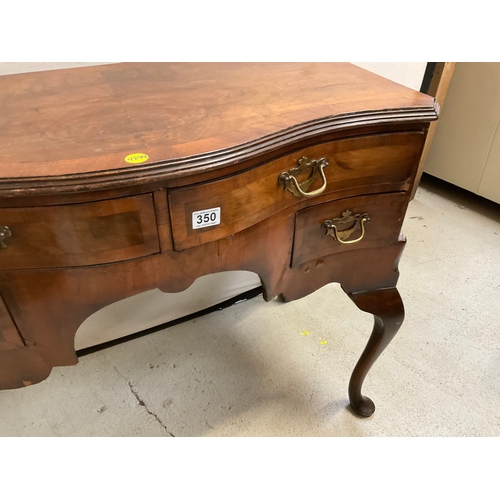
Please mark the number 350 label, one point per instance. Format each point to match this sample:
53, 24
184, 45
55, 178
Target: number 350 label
205, 218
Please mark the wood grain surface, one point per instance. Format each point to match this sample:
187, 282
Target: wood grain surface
79, 234
386, 213
366, 163
83, 122
9, 336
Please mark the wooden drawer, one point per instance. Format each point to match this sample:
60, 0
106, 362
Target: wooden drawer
79, 235
312, 241
249, 197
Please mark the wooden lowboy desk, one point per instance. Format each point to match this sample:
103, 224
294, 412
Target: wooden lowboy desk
118, 179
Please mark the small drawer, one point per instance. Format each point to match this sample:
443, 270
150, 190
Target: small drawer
249, 197
82, 234
359, 223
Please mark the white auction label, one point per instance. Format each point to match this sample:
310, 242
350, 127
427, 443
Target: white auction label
205, 218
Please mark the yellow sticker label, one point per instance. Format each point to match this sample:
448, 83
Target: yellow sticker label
136, 158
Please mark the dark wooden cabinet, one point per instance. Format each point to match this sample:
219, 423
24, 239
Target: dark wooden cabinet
122, 178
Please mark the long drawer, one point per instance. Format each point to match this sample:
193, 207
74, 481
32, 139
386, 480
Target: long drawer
78, 235
232, 204
349, 224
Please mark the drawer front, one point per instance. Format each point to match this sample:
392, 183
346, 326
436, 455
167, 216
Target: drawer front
78, 235
374, 220
249, 197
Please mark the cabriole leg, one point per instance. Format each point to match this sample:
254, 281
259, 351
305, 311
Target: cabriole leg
387, 307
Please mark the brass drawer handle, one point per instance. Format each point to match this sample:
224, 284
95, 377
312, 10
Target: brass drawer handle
347, 218
4, 234
300, 189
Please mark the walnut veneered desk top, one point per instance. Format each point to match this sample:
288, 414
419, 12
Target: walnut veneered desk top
188, 117
121, 178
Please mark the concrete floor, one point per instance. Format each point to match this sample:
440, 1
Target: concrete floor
248, 370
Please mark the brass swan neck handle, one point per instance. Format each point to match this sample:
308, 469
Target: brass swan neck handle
291, 184
357, 222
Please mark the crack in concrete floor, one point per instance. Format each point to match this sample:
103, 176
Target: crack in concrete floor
141, 401
143, 404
